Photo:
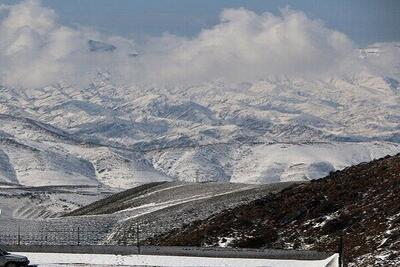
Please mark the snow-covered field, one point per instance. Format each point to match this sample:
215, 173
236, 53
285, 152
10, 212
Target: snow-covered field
54, 259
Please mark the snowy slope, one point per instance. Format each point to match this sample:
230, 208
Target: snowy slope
46, 202
287, 162
35, 154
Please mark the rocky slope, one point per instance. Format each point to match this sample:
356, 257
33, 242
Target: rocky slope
360, 203
160, 207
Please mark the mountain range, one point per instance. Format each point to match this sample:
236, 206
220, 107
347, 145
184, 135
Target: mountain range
270, 130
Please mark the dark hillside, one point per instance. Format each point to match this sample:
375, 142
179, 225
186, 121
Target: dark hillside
115, 202
360, 203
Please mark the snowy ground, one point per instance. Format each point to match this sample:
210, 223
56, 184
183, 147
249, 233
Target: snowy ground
52, 260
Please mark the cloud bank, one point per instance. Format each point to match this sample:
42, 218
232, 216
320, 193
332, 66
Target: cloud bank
35, 50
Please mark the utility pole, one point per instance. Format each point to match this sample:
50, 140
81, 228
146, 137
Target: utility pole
79, 236
341, 252
19, 235
138, 238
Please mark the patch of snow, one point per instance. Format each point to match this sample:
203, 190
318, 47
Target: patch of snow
224, 242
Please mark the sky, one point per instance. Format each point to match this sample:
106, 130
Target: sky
190, 42
364, 21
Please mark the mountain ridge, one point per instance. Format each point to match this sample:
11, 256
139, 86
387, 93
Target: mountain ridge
207, 132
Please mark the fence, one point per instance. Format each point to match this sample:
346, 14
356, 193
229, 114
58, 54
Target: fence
25, 235
78, 236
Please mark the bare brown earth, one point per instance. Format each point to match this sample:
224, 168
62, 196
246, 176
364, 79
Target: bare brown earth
360, 203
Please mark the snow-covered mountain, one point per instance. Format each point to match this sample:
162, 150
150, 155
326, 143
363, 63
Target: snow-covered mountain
276, 129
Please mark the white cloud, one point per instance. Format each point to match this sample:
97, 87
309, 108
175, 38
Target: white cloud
246, 45
35, 50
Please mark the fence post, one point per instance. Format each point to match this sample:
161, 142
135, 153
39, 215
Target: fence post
138, 238
79, 237
19, 235
341, 252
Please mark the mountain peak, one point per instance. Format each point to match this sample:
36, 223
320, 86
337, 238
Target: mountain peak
97, 46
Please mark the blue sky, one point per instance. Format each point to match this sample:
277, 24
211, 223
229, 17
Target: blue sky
364, 21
